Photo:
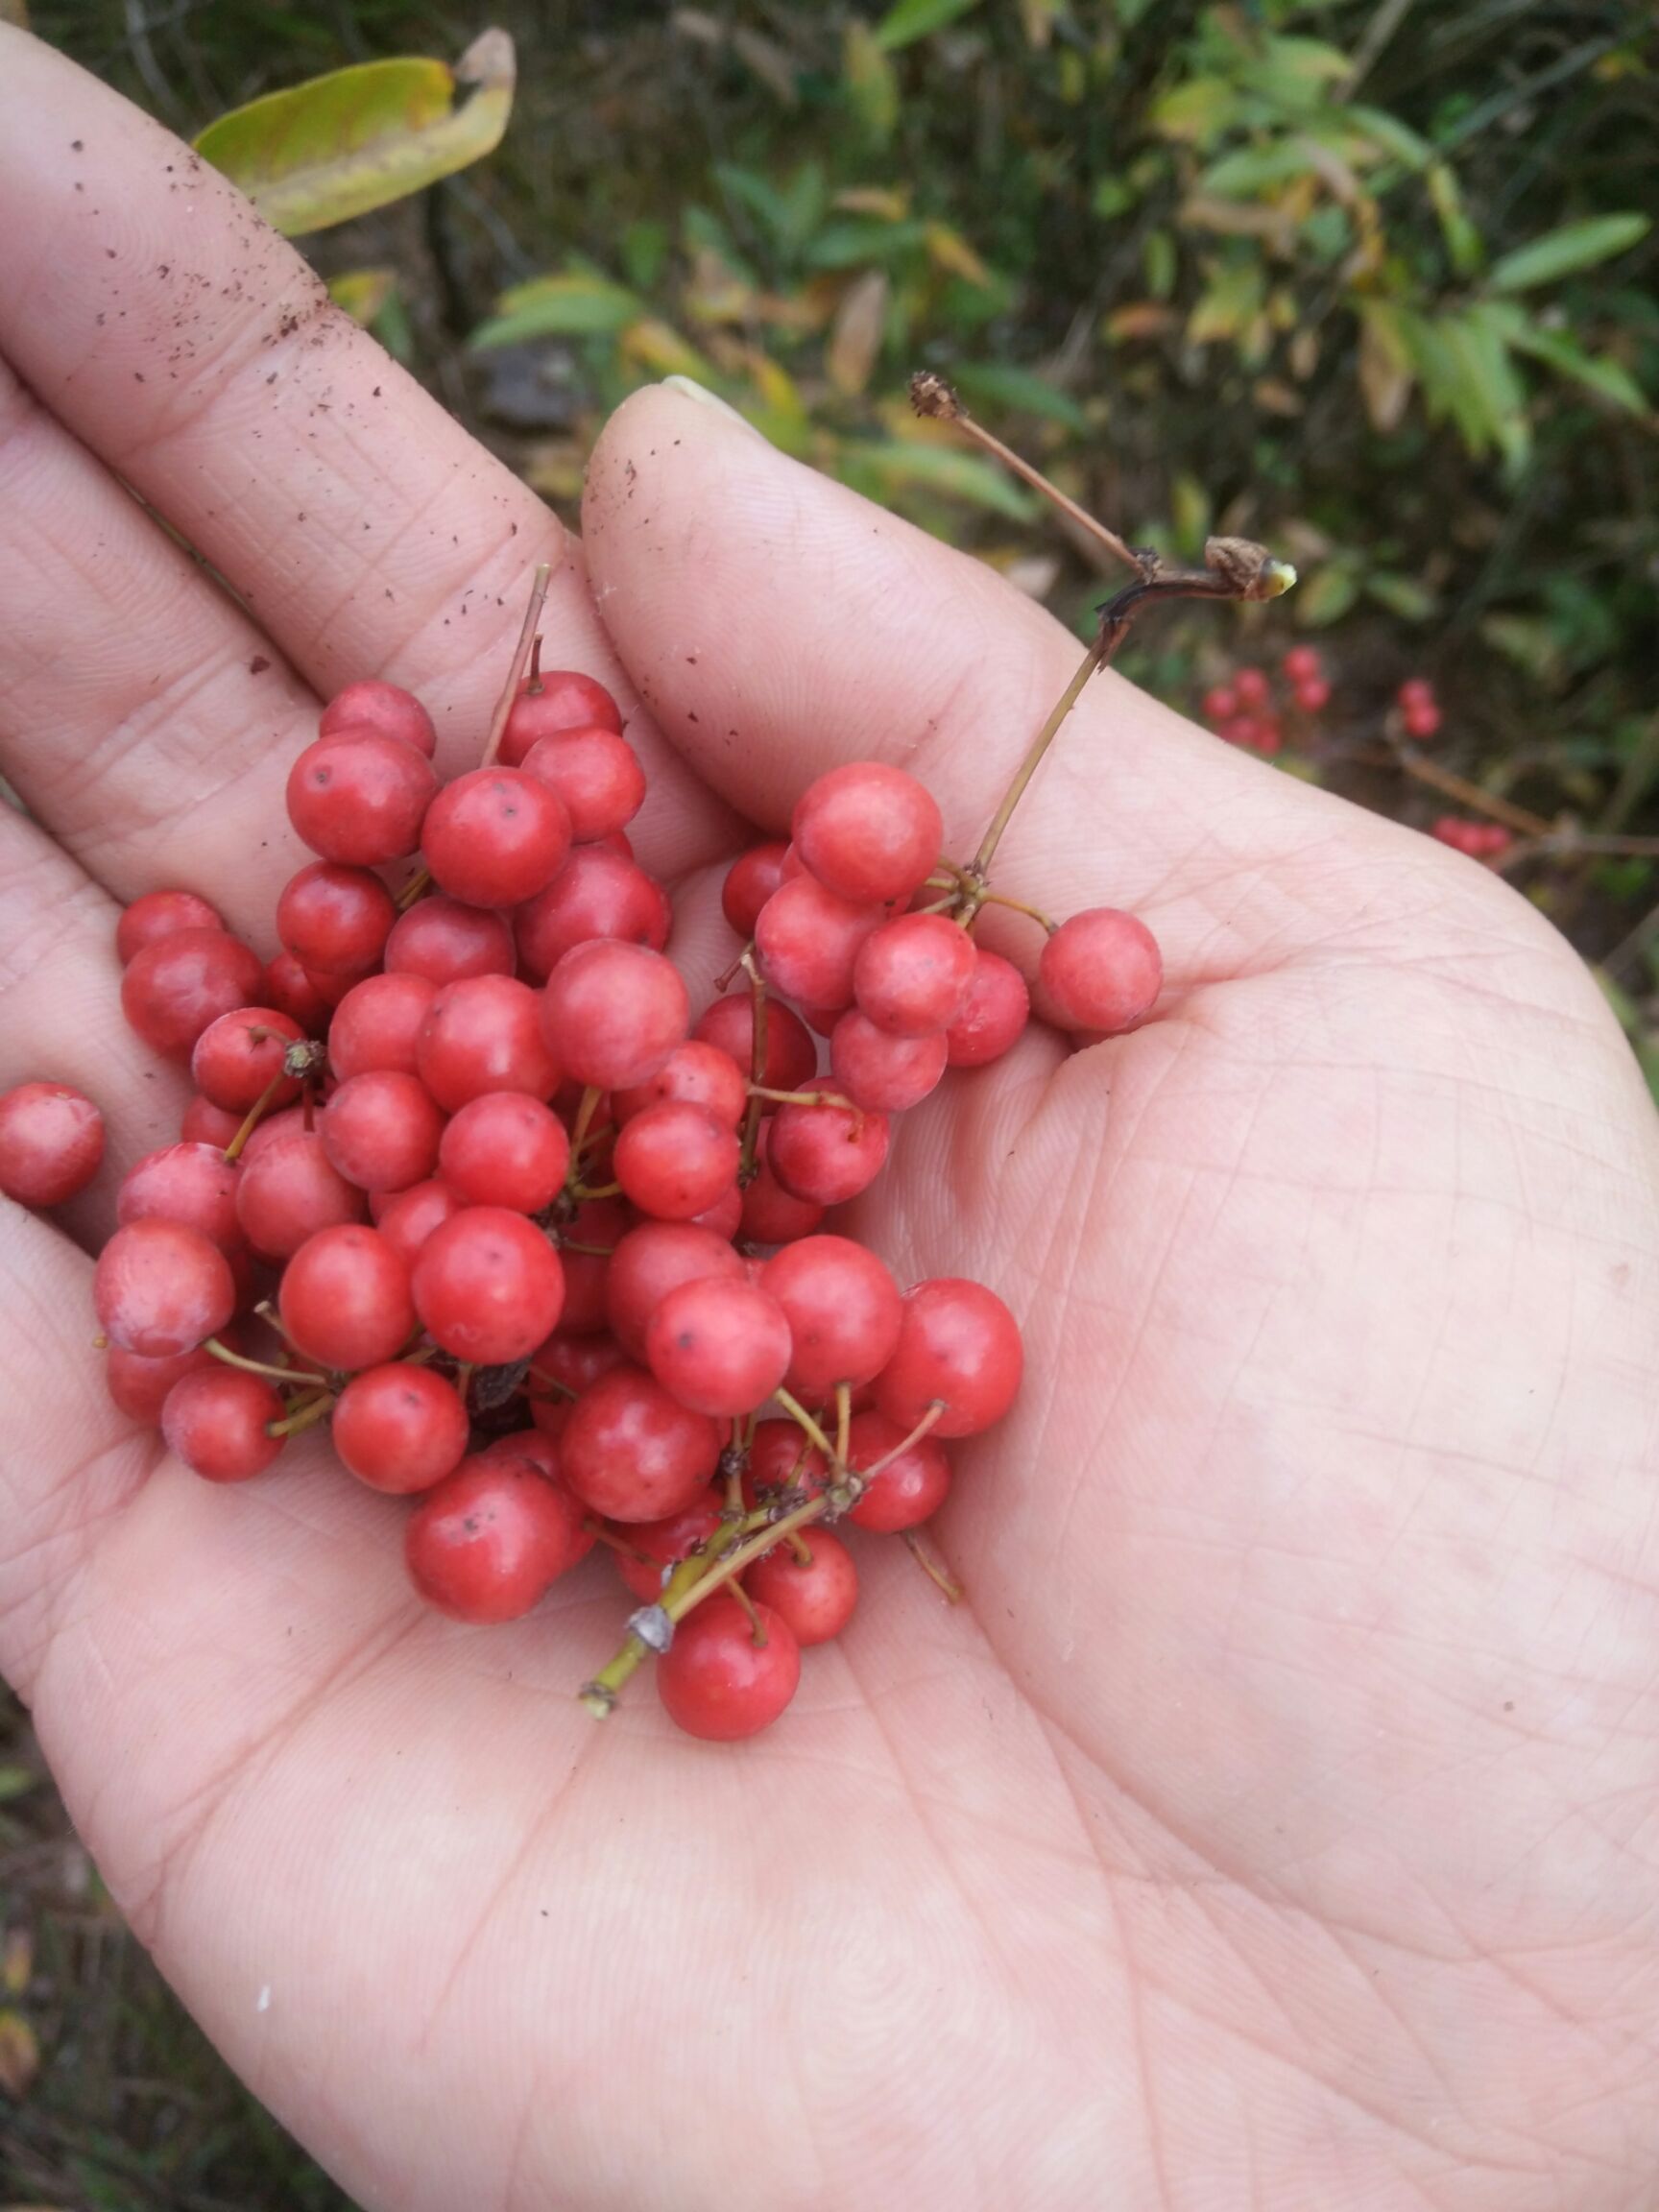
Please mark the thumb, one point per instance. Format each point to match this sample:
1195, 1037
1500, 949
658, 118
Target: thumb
776, 624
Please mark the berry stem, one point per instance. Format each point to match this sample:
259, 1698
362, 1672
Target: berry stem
843, 1421
1045, 922
928, 1421
288, 1374
796, 1411
307, 1416
527, 640
256, 1114
415, 890
756, 1633
926, 1557
585, 1113
931, 396
760, 1091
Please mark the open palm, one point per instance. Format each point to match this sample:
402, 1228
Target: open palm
1276, 1824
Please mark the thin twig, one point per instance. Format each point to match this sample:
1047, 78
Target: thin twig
521, 656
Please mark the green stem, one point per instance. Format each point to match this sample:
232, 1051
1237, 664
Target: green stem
288, 1374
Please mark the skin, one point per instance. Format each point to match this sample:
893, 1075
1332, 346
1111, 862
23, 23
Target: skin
1276, 1824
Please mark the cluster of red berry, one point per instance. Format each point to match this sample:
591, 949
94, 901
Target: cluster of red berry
1246, 711
1419, 707
463, 1180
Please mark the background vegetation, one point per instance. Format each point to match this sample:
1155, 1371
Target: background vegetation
1369, 279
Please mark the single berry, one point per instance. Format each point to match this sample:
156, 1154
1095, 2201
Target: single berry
676, 1160
719, 1681
993, 1014
483, 1033
159, 1288
911, 977
868, 831
1303, 665
345, 1298
693, 1074
595, 774
191, 1183
288, 1189
139, 1387
445, 941
913, 1484
597, 893
505, 1149
585, 1245
1219, 704
826, 1154
400, 1429
809, 939
382, 1130
1100, 971
237, 1058
879, 1072
562, 699
1253, 687
653, 1260
174, 986
772, 1215
406, 1218
488, 1286
286, 986
843, 1310
957, 1342
666, 1543
750, 881
375, 1025
611, 1012
718, 1345
334, 920
631, 1452
813, 1597
791, 1056
1312, 695
360, 797
51, 1143
495, 837
217, 1419
490, 1540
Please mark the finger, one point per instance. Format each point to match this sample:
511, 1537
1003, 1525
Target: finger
181, 339
775, 623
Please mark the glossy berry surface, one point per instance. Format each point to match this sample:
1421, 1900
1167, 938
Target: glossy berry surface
505, 1149
177, 984
843, 1309
51, 1143
239, 1057
720, 1345
400, 1429
869, 832
611, 1012
489, 1541
631, 1452
957, 1341
159, 914
160, 1289
372, 704
1100, 971
993, 1013
495, 837
717, 1682
360, 797
345, 1298
218, 1420
812, 1597
488, 1286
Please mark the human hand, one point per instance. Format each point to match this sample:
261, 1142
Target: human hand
1273, 1824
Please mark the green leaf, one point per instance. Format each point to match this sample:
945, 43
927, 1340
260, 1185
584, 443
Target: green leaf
1018, 391
1393, 137
1230, 301
1567, 358
324, 152
1198, 112
1254, 169
872, 83
913, 19
575, 305
1463, 242
1562, 253
1326, 596
1402, 595
1297, 72
860, 239
901, 463
363, 293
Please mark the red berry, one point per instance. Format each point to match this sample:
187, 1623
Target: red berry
650, 1262
750, 881
159, 914
958, 1342
382, 1130
375, 1025
505, 1149
559, 700
771, 1213
879, 1072
177, 985
719, 1345
445, 942
993, 1014
791, 1056
826, 1154
334, 920
495, 837
597, 893
217, 1420
613, 1013
843, 1310
1253, 687
51, 1143
1312, 695
910, 1489
1422, 721
345, 1298
574, 1361
489, 1541
235, 1059
631, 1452
784, 1468
288, 988
725, 1217
204, 1124
912, 977
595, 774
868, 831
370, 704
400, 1429
813, 1597
406, 1218
288, 1191
483, 1033
674, 1160
715, 1681
1219, 704
1303, 665
488, 1286
1416, 691
693, 1074
139, 1387
192, 1183
159, 1288
809, 939
361, 797
1100, 971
